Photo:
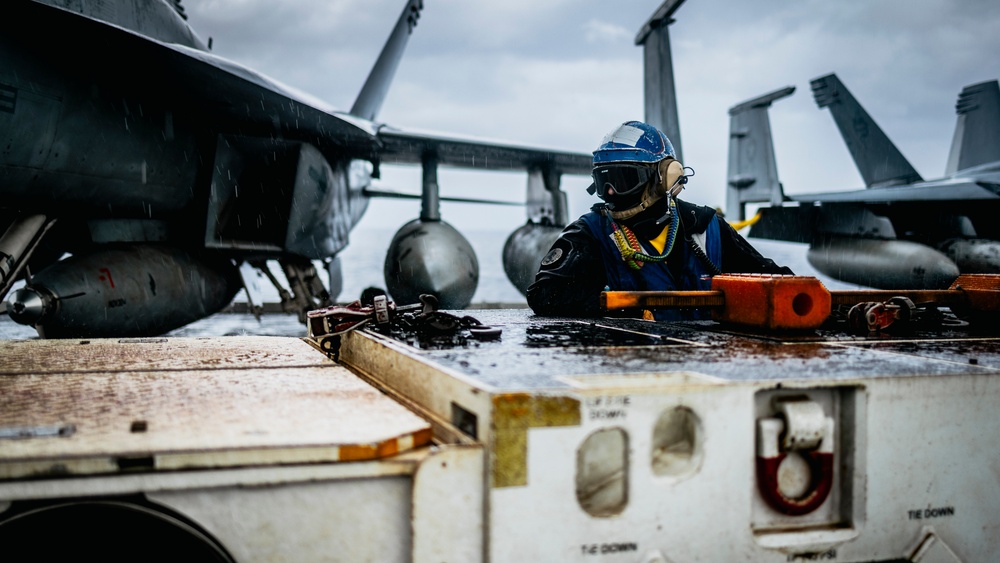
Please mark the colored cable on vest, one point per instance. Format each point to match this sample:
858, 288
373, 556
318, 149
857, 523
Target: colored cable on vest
629, 247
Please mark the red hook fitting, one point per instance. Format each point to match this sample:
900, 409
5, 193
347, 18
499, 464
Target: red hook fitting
803, 430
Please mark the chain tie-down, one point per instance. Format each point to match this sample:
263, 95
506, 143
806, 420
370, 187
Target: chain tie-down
328, 324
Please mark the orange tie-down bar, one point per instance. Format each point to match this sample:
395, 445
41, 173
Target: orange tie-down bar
778, 302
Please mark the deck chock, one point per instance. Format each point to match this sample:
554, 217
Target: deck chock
772, 302
779, 302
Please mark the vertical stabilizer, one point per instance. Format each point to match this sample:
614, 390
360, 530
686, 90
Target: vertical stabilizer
658, 73
753, 172
977, 132
877, 158
377, 85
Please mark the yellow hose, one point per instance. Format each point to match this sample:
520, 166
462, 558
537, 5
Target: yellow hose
741, 224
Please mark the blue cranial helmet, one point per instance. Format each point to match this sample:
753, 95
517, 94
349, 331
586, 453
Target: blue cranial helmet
626, 164
634, 141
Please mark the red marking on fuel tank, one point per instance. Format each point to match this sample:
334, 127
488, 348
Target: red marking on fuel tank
107, 272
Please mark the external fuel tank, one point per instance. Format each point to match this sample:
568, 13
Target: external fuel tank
883, 264
431, 257
127, 291
524, 250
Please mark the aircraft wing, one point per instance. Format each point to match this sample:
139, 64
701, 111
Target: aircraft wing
409, 146
242, 101
234, 98
945, 190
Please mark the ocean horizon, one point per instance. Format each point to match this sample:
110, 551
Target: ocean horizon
364, 260
363, 263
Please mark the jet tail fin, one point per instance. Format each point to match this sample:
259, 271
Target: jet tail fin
376, 87
977, 132
877, 158
658, 74
753, 172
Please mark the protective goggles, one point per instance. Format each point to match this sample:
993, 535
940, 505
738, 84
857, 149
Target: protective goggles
623, 179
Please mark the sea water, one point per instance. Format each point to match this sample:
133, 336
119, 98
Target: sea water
364, 259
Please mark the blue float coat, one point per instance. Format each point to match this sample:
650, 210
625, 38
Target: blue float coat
689, 272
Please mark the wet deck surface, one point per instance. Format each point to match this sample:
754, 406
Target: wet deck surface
150, 398
110, 404
537, 353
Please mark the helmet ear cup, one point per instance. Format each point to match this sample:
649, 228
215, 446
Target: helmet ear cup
671, 177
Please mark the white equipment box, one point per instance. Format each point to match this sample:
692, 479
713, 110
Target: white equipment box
565, 440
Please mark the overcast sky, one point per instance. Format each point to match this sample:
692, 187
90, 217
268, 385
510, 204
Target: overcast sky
562, 73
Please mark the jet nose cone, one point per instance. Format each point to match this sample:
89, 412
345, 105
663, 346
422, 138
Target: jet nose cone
26, 306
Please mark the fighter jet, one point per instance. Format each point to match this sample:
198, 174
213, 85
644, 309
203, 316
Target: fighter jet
901, 231
139, 172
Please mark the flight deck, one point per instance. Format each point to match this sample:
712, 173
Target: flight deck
559, 439
548, 353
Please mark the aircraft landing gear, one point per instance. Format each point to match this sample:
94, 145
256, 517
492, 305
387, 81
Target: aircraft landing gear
17, 244
305, 291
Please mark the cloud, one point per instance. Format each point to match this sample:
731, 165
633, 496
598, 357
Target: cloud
564, 73
598, 31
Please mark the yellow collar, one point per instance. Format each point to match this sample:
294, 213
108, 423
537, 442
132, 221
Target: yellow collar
661, 240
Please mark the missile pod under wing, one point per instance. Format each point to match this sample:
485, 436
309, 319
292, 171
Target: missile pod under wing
137, 290
973, 256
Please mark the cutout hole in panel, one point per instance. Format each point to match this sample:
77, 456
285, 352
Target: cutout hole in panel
677, 443
602, 472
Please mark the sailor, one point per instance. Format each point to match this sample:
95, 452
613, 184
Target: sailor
641, 238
